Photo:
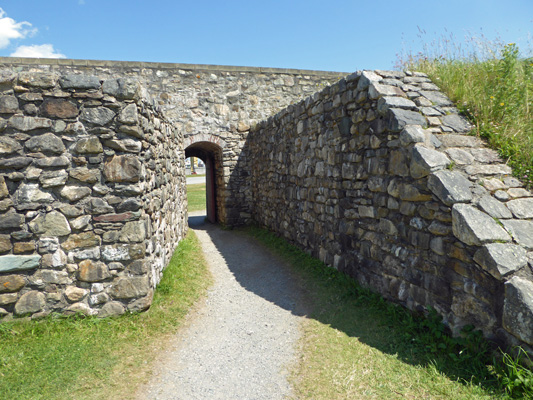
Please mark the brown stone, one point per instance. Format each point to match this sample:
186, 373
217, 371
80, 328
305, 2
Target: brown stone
8, 298
11, 283
123, 169
129, 288
24, 247
5, 243
84, 174
74, 294
115, 217
81, 240
58, 108
90, 271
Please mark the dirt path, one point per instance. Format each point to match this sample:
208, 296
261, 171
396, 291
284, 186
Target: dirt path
240, 343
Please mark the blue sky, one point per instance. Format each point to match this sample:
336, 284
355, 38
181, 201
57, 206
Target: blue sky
332, 35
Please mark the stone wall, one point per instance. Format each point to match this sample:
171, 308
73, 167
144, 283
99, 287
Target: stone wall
378, 177
92, 198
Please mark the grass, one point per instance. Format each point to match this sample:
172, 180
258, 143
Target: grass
91, 358
356, 345
196, 197
493, 87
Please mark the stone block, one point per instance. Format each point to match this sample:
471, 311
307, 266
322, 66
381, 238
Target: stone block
74, 193
122, 88
436, 98
128, 115
412, 134
98, 116
424, 161
112, 309
387, 102
10, 221
18, 263
90, 271
58, 108
133, 232
43, 80
31, 193
84, 174
377, 90
89, 145
8, 298
50, 224
450, 186
123, 169
75, 81
125, 145
123, 252
399, 119
493, 207
75, 294
30, 302
501, 259
521, 231
9, 146
26, 124
81, 240
8, 105
518, 309
521, 208
474, 227
11, 283
130, 287
53, 178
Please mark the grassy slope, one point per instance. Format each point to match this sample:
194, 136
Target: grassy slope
90, 358
196, 197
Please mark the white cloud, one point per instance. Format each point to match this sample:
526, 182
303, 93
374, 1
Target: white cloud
37, 51
10, 29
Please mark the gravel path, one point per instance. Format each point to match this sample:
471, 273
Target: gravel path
240, 343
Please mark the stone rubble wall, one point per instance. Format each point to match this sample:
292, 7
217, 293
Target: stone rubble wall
92, 197
378, 177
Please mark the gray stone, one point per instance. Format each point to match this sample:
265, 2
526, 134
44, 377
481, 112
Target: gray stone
56, 259
493, 207
92, 253
44, 80
81, 222
501, 195
501, 259
26, 124
30, 302
130, 204
47, 162
83, 174
18, 263
128, 115
450, 186
412, 134
8, 105
123, 252
111, 309
99, 116
74, 193
424, 161
75, 294
521, 208
518, 309
437, 98
47, 143
474, 227
516, 193
79, 308
15, 162
90, 145
73, 81
377, 90
121, 88
31, 193
399, 119
45, 276
9, 146
494, 169
459, 156
11, 220
100, 206
125, 145
521, 231
53, 178
141, 304
91, 271
130, 288
50, 224
81, 240
123, 169
132, 232
456, 122
386, 102
8, 298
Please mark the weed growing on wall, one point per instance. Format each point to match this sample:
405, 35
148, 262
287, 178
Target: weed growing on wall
492, 83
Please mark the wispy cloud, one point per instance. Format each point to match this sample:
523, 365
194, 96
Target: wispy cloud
37, 51
10, 29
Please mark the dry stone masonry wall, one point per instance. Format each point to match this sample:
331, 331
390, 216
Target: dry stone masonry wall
378, 177
92, 201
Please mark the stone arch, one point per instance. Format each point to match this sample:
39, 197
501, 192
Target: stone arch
209, 149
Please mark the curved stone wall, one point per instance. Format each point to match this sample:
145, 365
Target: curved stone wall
378, 177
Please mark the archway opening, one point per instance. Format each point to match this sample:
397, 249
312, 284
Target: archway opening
210, 155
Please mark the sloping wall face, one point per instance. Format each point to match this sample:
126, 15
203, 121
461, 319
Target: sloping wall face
92, 197
378, 177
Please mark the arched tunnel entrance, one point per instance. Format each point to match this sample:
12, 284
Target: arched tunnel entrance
211, 154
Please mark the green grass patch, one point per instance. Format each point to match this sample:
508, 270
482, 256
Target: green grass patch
493, 87
356, 345
92, 358
196, 197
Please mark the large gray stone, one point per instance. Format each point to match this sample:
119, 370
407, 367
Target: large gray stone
61, 161
128, 115
521, 231
9, 146
31, 193
53, 178
412, 134
377, 90
450, 186
501, 259
16, 263
518, 309
42, 80
399, 118
521, 208
387, 102
47, 143
131, 287
97, 116
30, 302
474, 227
123, 169
50, 224
132, 232
122, 88
123, 252
90, 145
75, 193
437, 98
456, 122
424, 161
73, 81
111, 309
125, 145
493, 207
26, 124
11, 220
8, 105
